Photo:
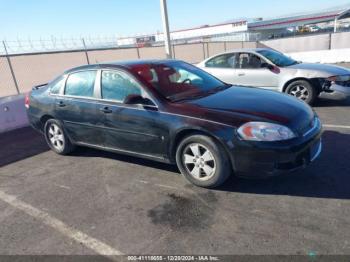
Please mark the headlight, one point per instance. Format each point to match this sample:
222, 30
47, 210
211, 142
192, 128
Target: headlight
263, 131
339, 78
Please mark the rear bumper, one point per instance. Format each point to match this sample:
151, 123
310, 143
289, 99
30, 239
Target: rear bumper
262, 161
34, 122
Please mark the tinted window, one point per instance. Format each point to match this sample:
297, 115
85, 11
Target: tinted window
249, 61
57, 84
81, 84
118, 85
222, 61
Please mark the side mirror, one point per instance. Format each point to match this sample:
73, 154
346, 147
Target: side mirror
135, 99
267, 65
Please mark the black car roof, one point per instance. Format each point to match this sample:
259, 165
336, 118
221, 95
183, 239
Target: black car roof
120, 64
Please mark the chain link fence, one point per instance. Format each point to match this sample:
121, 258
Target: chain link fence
19, 72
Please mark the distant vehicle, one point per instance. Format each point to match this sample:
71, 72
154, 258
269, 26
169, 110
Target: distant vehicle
270, 69
174, 112
303, 29
313, 28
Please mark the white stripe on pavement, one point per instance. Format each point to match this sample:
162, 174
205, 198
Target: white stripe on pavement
90, 242
336, 126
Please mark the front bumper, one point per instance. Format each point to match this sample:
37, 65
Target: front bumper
265, 160
342, 89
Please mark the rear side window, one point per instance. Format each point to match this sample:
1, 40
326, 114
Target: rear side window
118, 85
81, 84
56, 85
222, 61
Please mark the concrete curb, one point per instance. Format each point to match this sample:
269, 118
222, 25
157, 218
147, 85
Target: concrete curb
12, 113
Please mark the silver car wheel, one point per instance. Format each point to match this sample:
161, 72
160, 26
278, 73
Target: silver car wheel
56, 137
199, 161
300, 92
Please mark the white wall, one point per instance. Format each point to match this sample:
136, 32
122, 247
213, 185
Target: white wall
323, 56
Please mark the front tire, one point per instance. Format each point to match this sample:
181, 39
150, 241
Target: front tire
56, 137
302, 90
203, 161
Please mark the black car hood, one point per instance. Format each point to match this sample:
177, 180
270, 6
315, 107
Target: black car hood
259, 105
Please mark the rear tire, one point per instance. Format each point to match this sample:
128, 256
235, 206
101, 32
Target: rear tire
302, 90
56, 137
203, 161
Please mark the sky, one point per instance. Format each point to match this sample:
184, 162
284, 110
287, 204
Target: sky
34, 19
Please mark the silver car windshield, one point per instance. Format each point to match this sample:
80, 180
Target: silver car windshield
277, 58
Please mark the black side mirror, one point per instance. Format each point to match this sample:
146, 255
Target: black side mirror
135, 99
267, 65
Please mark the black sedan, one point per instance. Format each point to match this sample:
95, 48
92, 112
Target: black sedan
171, 111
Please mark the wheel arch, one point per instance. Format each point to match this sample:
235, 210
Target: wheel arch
182, 134
43, 120
286, 84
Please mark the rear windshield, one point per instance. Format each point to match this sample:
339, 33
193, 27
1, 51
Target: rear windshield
177, 80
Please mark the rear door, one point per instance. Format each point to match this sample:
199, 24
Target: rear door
128, 127
223, 67
251, 72
77, 108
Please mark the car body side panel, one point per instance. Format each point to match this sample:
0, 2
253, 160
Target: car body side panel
80, 118
41, 105
134, 128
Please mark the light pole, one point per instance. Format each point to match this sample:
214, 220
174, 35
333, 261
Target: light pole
166, 33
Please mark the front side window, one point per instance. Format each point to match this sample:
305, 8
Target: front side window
57, 84
81, 84
222, 61
178, 80
249, 61
116, 85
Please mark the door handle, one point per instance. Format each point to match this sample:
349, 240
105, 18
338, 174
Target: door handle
61, 104
241, 74
106, 110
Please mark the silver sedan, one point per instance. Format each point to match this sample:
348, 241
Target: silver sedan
270, 69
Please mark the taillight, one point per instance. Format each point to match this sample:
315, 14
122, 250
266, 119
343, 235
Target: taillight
27, 100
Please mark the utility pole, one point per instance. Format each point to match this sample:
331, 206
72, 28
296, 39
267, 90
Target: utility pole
335, 24
166, 34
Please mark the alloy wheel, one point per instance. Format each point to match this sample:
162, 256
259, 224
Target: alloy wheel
199, 161
56, 137
300, 92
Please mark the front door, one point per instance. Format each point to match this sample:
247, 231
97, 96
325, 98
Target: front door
251, 72
127, 127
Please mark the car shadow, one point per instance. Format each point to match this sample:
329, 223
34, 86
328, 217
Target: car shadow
90, 152
20, 144
327, 100
327, 177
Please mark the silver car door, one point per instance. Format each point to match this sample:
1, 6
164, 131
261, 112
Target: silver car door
253, 71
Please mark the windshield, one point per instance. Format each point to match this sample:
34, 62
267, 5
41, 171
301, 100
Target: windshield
277, 58
178, 80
